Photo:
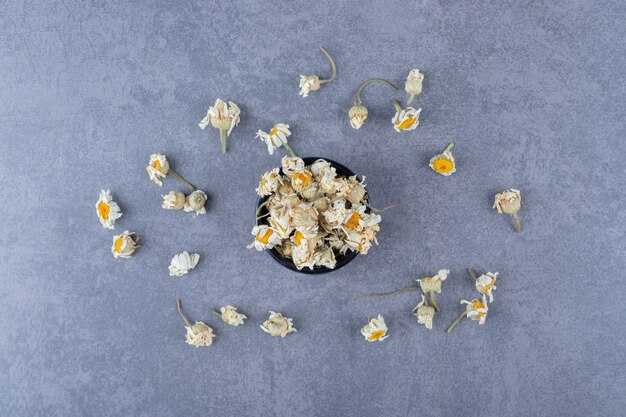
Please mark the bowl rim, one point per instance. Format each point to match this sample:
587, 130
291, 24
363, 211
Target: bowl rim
287, 263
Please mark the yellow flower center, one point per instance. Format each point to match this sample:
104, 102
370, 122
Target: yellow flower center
303, 177
103, 210
443, 165
117, 246
273, 131
377, 335
353, 221
298, 238
478, 304
408, 122
265, 238
488, 287
156, 165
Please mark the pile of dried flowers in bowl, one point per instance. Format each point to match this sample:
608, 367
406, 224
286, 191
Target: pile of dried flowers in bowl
313, 215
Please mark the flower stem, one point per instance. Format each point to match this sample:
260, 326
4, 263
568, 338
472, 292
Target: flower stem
396, 105
217, 313
410, 100
357, 96
384, 294
180, 311
263, 204
223, 139
181, 179
291, 152
518, 227
449, 147
472, 273
457, 321
434, 301
377, 210
332, 64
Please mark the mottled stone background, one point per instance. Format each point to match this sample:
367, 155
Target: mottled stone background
533, 95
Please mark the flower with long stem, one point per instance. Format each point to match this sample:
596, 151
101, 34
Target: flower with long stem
222, 116
405, 119
486, 283
413, 84
444, 163
198, 334
158, 167
475, 309
313, 82
276, 138
358, 113
430, 285
509, 202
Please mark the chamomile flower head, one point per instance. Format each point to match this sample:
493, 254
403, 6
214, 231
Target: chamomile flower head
157, 168
195, 202
486, 284
108, 211
182, 263
278, 325
413, 84
433, 284
357, 115
199, 335
291, 165
174, 200
476, 309
264, 238
375, 330
269, 183
222, 116
508, 201
310, 83
444, 163
302, 181
424, 313
276, 137
230, 316
405, 119
124, 244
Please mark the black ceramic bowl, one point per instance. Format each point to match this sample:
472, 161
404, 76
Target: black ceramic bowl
342, 260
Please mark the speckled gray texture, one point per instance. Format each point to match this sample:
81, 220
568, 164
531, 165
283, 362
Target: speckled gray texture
532, 93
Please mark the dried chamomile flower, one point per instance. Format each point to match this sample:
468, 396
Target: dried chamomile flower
269, 183
486, 283
444, 163
182, 263
313, 82
413, 84
475, 309
198, 334
222, 116
158, 167
320, 167
278, 325
264, 238
229, 315
195, 202
124, 244
430, 285
405, 119
358, 113
424, 313
509, 202
276, 138
291, 165
375, 330
280, 222
174, 200
326, 258
108, 211
302, 181
353, 190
